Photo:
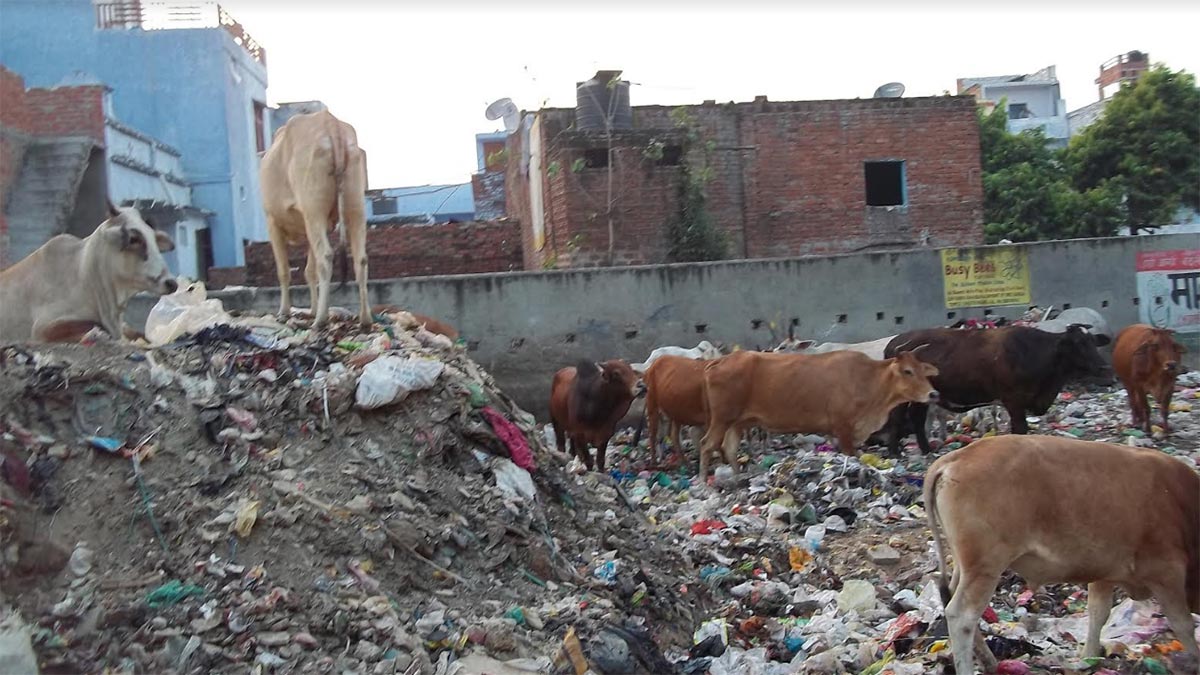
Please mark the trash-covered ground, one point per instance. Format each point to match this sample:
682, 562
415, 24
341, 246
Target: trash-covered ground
267, 498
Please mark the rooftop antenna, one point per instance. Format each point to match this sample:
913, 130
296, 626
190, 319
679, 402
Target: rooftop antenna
889, 90
506, 110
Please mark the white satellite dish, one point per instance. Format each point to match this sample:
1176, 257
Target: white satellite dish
506, 110
890, 90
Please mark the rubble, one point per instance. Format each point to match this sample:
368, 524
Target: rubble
238, 499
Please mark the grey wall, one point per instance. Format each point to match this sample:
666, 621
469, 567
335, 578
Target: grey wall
523, 326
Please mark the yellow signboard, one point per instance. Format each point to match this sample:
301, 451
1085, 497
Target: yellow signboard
985, 277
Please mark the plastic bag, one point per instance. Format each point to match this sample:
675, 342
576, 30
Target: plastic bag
390, 379
512, 480
185, 311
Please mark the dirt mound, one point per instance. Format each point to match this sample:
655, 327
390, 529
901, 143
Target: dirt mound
225, 502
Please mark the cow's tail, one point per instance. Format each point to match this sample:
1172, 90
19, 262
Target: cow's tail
939, 549
339, 177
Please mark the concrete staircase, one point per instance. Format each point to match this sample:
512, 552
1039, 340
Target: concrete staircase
44, 193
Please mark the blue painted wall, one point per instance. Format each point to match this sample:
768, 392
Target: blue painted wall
192, 89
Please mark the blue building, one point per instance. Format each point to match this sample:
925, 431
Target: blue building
421, 204
188, 76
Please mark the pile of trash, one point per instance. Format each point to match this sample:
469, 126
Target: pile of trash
260, 495
240, 493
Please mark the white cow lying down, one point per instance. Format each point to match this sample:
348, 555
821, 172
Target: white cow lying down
874, 348
704, 350
70, 285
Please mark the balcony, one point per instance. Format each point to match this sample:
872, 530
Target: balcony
127, 14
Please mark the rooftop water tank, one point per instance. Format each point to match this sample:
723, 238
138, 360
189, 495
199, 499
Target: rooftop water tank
603, 97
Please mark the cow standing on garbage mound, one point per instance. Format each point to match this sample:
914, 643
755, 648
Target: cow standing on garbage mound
587, 401
1147, 360
71, 285
1023, 368
313, 176
1058, 510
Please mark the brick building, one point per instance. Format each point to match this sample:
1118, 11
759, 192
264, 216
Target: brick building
787, 178
48, 139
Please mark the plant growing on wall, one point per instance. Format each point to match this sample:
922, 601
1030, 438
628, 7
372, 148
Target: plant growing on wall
692, 235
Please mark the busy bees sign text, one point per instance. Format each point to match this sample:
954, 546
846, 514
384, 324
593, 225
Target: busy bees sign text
985, 277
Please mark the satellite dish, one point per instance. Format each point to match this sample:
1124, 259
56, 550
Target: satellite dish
506, 110
890, 90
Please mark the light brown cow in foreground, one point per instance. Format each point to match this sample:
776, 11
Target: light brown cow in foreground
1063, 510
847, 394
71, 285
313, 176
1147, 361
675, 388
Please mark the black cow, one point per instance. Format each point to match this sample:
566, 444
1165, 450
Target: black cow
1022, 368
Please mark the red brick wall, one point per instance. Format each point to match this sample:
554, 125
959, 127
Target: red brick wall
788, 180
64, 111
67, 111
402, 251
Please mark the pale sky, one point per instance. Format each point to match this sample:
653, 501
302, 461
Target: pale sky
414, 79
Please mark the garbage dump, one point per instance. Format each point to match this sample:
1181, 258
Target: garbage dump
258, 496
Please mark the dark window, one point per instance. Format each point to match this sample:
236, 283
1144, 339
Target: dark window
383, 206
595, 158
885, 183
1018, 111
204, 251
260, 133
672, 156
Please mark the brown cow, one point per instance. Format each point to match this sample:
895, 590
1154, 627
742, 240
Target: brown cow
587, 401
1064, 510
675, 388
847, 394
1146, 360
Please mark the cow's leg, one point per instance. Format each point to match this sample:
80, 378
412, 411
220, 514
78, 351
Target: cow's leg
697, 434
581, 450
601, 451
310, 276
708, 445
845, 439
917, 414
676, 438
962, 619
316, 225
358, 253
1099, 606
1171, 591
652, 421
560, 438
1016, 418
729, 448
894, 429
1136, 399
1163, 398
283, 272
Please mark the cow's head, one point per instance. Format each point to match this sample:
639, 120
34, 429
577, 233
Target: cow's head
617, 375
133, 252
1078, 355
792, 345
708, 351
1161, 352
910, 376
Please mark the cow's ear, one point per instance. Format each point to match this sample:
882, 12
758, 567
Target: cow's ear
1142, 348
164, 241
1101, 339
113, 212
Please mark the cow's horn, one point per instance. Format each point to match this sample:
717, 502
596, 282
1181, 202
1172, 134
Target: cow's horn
918, 348
112, 209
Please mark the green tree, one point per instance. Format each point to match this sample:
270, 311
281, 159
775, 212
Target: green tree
1146, 147
1027, 191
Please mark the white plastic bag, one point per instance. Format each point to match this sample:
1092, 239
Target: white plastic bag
390, 379
187, 310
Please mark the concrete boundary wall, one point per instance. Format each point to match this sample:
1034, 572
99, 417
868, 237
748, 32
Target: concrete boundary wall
522, 326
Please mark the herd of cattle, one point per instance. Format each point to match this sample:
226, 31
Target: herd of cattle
1054, 510
1066, 510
